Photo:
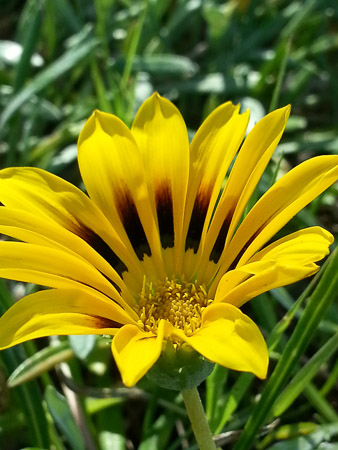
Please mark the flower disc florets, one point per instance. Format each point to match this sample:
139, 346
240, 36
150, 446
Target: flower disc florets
179, 302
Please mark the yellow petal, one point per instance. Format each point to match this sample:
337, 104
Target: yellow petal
302, 247
212, 151
248, 168
252, 160
278, 205
162, 138
61, 312
241, 285
230, 338
26, 227
54, 268
136, 351
286, 261
54, 199
112, 169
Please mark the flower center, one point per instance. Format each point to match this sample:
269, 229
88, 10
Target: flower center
179, 302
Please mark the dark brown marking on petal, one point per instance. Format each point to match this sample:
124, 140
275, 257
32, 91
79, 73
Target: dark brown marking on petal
104, 322
165, 216
1, 204
246, 246
131, 221
220, 241
100, 246
74, 225
197, 219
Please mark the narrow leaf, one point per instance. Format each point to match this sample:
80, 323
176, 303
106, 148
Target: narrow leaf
61, 413
41, 361
304, 375
58, 68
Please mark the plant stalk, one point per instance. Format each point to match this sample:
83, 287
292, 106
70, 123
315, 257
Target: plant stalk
198, 419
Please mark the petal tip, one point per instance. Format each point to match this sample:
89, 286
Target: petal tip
262, 371
88, 128
286, 110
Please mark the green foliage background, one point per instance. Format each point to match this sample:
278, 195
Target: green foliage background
59, 60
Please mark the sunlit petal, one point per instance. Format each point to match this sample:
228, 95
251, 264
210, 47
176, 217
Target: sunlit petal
48, 196
135, 352
162, 137
212, 151
231, 339
278, 205
286, 261
26, 227
54, 268
248, 168
112, 169
62, 312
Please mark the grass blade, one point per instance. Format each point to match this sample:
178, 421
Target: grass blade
41, 361
28, 395
304, 376
63, 417
58, 68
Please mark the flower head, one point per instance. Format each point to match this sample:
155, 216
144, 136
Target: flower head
159, 251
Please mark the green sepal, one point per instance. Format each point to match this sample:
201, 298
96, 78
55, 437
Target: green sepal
179, 368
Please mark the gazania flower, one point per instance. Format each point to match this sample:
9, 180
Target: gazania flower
157, 251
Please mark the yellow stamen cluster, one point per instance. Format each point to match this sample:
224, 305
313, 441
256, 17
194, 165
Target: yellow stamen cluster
180, 303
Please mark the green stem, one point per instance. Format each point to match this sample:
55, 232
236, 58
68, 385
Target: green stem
198, 419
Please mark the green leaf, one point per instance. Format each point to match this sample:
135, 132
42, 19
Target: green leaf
30, 39
82, 345
165, 65
157, 435
304, 376
319, 402
61, 413
265, 310
298, 18
55, 70
32, 448
215, 395
28, 395
311, 441
70, 18
41, 361
111, 429
234, 397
